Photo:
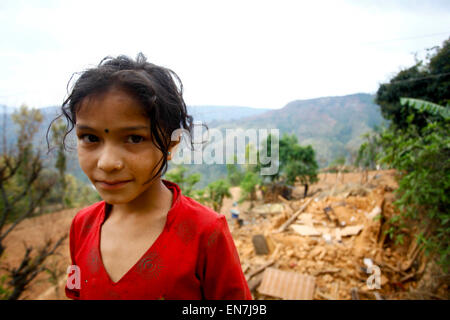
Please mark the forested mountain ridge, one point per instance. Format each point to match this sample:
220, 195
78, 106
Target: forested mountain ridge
332, 125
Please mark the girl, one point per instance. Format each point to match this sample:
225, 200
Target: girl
145, 240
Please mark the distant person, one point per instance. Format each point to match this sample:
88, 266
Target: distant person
235, 215
145, 240
234, 212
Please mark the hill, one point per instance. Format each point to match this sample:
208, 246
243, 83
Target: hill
332, 125
205, 114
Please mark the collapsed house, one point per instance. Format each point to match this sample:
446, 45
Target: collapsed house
331, 245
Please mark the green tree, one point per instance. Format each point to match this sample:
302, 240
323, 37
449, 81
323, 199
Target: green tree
24, 186
428, 81
58, 132
295, 162
234, 173
216, 191
285, 153
421, 154
186, 182
301, 165
79, 194
369, 150
337, 165
431, 109
249, 186
338, 161
253, 167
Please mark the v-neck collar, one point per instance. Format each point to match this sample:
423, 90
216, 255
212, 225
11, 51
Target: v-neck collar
169, 219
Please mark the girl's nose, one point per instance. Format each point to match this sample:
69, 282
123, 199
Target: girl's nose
109, 160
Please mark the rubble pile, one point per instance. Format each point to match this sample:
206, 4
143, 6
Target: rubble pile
335, 239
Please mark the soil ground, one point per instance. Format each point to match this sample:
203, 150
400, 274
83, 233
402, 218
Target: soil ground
336, 268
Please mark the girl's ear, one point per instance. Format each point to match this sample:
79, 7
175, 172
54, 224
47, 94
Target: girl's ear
172, 148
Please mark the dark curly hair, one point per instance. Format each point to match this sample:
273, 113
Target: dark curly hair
153, 86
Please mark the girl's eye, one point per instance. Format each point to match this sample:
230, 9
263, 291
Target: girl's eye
135, 139
89, 138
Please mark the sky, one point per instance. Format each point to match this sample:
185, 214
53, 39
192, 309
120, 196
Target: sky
260, 54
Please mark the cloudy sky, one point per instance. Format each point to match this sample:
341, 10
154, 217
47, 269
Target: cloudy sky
242, 53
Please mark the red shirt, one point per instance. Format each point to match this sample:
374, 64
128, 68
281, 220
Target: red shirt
193, 258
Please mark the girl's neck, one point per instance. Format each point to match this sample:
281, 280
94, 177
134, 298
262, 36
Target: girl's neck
154, 202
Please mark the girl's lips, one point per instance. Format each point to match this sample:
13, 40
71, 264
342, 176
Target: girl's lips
111, 185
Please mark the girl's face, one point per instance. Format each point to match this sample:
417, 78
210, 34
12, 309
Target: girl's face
114, 146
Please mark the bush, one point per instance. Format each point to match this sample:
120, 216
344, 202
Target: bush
422, 157
248, 186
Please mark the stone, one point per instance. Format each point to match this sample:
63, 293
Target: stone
260, 244
304, 230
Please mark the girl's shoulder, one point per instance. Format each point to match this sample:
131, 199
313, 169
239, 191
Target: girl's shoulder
202, 215
186, 208
88, 215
